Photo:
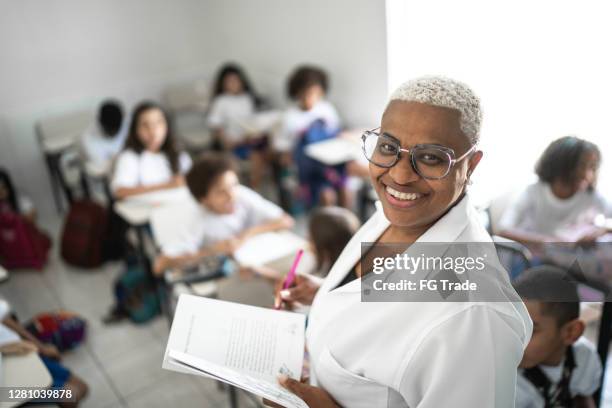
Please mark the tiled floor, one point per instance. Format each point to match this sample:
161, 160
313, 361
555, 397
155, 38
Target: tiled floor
122, 363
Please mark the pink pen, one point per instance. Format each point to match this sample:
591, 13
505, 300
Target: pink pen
292, 272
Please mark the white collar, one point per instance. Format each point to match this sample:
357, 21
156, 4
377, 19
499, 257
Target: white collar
446, 230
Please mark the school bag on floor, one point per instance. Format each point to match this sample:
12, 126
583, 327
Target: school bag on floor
84, 234
65, 330
22, 245
136, 294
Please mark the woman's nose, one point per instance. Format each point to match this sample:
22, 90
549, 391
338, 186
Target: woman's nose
403, 172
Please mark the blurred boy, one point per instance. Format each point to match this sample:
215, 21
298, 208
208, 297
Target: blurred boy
227, 214
559, 368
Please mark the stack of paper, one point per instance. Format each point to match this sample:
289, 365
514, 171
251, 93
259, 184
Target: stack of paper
268, 248
245, 346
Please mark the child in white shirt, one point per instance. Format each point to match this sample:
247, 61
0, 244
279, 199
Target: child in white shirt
150, 160
104, 139
307, 87
559, 367
234, 102
563, 204
224, 214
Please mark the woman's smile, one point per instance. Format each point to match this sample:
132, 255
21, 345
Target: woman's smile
402, 199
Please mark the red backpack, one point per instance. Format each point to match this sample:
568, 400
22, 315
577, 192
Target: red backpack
22, 245
84, 234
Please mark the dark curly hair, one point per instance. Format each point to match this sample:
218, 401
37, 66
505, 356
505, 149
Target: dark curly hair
303, 78
235, 69
169, 147
562, 157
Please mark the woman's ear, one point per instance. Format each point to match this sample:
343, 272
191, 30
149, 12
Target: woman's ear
473, 162
572, 331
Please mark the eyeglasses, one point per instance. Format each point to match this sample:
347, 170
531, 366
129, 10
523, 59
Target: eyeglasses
429, 161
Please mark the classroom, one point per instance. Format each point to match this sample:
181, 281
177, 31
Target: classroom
283, 203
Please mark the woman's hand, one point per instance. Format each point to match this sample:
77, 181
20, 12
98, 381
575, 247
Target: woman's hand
314, 397
303, 292
19, 348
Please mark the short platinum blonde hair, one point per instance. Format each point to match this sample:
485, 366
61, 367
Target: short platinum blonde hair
445, 93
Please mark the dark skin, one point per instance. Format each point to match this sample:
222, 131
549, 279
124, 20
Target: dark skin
411, 123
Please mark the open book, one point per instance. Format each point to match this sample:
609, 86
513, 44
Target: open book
244, 346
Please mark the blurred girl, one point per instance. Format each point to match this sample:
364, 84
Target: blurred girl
563, 204
330, 229
150, 160
235, 101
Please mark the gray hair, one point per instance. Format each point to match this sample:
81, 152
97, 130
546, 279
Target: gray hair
445, 93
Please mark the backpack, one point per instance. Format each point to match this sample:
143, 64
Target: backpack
84, 234
22, 245
136, 295
312, 174
65, 330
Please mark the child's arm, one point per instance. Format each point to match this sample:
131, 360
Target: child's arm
124, 192
164, 262
281, 223
525, 237
47, 350
580, 401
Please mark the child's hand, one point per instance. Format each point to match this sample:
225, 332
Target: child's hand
227, 247
177, 181
590, 238
304, 291
19, 348
49, 350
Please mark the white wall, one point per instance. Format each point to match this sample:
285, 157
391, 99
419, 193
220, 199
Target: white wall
539, 67
270, 38
62, 55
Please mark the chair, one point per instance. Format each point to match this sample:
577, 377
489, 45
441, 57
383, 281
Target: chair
188, 105
55, 136
514, 256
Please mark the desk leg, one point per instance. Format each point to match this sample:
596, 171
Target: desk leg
603, 344
49, 160
233, 396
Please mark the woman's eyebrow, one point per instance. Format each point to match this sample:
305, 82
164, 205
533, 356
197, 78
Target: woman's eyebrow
389, 135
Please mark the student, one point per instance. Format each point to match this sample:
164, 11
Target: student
562, 205
225, 214
15, 339
234, 101
103, 140
330, 229
559, 368
150, 160
311, 112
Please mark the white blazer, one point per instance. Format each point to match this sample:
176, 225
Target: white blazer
416, 354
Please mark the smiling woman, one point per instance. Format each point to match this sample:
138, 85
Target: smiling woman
415, 354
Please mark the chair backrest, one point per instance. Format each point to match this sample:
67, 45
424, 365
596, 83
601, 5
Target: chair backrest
514, 256
55, 133
188, 96
497, 207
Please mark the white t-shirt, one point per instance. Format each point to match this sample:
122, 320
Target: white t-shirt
206, 227
227, 111
7, 335
296, 121
145, 169
538, 210
584, 380
98, 148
